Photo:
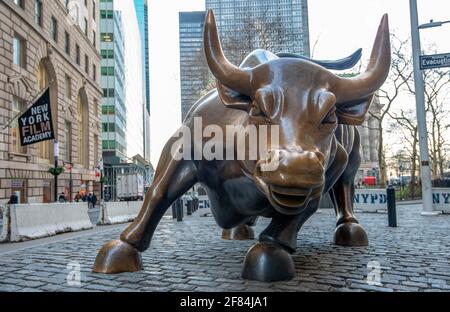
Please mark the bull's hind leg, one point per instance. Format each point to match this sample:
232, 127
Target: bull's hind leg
348, 232
172, 179
241, 232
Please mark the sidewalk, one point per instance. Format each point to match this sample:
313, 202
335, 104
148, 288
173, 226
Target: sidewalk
190, 256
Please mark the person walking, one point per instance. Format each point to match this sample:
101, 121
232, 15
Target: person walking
78, 197
93, 200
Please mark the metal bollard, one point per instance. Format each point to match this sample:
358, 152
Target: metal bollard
189, 208
392, 213
179, 205
174, 210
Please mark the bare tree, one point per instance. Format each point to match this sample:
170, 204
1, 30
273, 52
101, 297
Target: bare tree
262, 31
401, 72
409, 140
437, 82
437, 88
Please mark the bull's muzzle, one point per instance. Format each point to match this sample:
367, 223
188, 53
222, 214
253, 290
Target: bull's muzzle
298, 178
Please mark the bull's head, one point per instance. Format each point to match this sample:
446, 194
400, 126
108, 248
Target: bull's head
307, 102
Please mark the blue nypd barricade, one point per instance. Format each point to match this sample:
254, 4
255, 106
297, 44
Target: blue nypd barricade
368, 200
441, 199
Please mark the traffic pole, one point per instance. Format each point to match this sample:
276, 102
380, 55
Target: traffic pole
425, 173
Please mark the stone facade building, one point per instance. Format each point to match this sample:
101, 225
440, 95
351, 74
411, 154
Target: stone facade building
370, 136
50, 44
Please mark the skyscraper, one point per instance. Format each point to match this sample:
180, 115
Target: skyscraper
114, 111
191, 58
278, 25
141, 7
244, 25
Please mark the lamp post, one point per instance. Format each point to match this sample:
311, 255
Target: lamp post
427, 192
100, 167
69, 167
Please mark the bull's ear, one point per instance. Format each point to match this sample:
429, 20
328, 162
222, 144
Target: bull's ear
233, 99
354, 112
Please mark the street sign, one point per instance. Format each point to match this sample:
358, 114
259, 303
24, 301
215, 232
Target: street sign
434, 61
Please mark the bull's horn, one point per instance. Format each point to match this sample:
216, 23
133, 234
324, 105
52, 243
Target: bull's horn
363, 85
225, 72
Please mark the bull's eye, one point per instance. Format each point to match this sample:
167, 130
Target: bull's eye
330, 118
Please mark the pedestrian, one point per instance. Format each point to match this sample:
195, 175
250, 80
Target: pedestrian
78, 197
13, 199
93, 200
84, 198
89, 200
62, 198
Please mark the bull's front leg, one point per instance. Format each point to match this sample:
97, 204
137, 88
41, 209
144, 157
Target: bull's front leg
270, 260
172, 179
348, 232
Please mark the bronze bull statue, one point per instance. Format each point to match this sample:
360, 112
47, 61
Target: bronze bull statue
317, 152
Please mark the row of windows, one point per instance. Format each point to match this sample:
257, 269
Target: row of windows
20, 44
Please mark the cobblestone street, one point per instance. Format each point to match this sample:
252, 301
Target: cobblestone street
190, 256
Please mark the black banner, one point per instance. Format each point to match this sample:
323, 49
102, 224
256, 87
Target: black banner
35, 125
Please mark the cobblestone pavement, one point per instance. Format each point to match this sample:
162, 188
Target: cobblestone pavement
190, 256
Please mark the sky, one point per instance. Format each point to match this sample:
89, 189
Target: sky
337, 28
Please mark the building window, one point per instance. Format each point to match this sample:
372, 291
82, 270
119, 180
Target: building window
107, 37
94, 38
94, 9
18, 107
83, 146
54, 29
38, 12
96, 150
108, 93
68, 141
94, 72
77, 54
108, 110
107, 54
20, 3
67, 42
107, 71
106, 14
86, 26
68, 87
19, 48
86, 64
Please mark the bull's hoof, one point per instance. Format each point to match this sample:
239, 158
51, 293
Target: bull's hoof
266, 262
240, 232
116, 257
350, 234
